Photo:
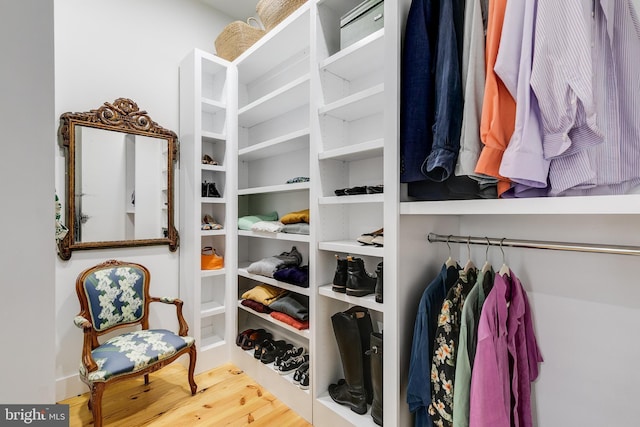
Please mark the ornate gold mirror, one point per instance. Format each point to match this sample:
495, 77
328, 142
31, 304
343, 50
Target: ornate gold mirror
119, 181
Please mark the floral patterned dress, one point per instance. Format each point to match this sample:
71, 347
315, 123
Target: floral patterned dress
443, 366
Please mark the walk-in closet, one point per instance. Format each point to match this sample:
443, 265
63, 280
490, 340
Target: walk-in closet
293, 181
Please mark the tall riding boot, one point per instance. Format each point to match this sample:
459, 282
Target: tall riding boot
352, 391
376, 377
359, 282
340, 276
379, 283
365, 326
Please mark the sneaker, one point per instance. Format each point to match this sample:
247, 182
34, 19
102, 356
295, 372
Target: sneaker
292, 364
291, 352
304, 380
304, 368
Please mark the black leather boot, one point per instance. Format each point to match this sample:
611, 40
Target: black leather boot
349, 328
379, 278
359, 282
376, 376
340, 276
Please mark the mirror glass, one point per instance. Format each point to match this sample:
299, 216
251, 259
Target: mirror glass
119, 180
120, 186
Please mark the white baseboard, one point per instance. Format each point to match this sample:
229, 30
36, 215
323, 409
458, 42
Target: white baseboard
70, 386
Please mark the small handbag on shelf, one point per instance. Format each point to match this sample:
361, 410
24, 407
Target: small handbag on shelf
210, 260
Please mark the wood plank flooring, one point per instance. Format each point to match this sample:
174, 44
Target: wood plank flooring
226, 397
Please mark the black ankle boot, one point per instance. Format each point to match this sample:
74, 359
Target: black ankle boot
340, 276
359, 282
212, 191
378, 290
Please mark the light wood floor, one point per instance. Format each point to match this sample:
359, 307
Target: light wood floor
226, 397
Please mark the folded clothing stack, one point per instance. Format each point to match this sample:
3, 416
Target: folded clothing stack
269, 265
296, 222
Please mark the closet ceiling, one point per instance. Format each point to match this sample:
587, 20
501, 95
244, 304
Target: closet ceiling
238, 9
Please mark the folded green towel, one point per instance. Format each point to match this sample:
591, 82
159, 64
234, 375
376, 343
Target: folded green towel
245, 222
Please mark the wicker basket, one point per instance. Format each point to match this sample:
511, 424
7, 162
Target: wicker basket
272, 12
237, 37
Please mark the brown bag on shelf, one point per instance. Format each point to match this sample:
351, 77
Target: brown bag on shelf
210, 260
237, 37
272, 12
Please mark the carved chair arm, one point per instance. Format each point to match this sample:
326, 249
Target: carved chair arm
184, 328
86, 326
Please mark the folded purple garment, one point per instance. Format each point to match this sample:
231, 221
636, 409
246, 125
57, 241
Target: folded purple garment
256, 306
294, 275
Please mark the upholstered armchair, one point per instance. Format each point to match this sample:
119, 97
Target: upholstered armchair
114, 295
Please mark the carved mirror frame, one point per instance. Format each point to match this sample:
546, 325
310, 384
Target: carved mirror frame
123, 115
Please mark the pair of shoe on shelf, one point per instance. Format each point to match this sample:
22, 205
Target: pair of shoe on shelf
209, 190
375, 238
208, 160
360, 349
302, 376
250, 338
364, 189
291, 360
208, 223
352, 278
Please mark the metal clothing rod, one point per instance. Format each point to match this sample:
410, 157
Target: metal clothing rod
537, 244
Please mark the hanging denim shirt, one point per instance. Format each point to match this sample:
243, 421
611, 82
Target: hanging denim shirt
448, 93
417, 89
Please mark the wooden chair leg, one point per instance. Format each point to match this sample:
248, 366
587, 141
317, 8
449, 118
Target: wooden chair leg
146, 379
192, 368
96, 403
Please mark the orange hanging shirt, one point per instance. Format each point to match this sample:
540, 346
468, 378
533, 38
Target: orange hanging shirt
498, 107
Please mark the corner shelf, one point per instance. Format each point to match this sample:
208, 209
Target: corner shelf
276, 146
346, 200
347, 62
364, 150
282, 188
356, 106
291, 237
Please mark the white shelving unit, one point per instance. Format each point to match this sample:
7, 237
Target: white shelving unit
206, 127
274, 146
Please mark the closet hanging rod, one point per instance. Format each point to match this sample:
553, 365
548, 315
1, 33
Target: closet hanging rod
537, 244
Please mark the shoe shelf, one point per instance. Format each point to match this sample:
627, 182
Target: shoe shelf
282, 188
205, 108
367, 301
580, 205
304, 333
345, 200
213, 200
361, 104
242, 271
213, 232
277, 236
213, 168
351, 247
283, 144
346, 413
286, 377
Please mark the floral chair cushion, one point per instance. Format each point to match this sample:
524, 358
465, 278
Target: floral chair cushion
115, 296
134, 351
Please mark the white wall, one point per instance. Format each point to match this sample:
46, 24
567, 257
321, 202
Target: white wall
26, 176
104, 51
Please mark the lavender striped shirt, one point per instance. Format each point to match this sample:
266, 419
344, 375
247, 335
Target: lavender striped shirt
587, 80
